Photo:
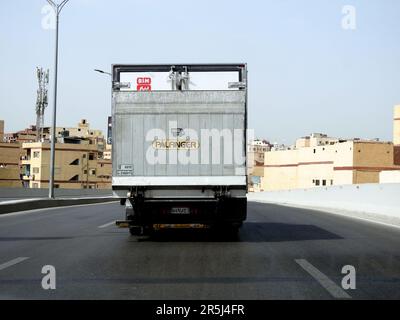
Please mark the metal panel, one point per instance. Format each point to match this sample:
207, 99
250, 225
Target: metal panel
136, 113
180, 181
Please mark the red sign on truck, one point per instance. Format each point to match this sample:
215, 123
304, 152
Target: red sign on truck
143, 84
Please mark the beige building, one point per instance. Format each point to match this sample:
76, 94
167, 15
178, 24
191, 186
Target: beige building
1, 130
10, 154
77, 165
26, 135
396, 126
82, 131
107, 154
396, 134
318, 160
9, 165
255, 163
81, 161
315, 139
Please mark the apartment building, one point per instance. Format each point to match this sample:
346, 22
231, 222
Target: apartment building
1, 130
10, 154
396, 134
318, 160
26, 135
77, 165
255, 162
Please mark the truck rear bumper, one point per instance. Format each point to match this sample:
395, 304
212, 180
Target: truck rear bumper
189, 181
194, 211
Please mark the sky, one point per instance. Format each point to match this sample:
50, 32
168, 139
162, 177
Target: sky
306, 72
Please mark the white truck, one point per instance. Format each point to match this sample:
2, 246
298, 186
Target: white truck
179, 145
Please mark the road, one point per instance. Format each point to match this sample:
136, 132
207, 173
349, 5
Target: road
281, 253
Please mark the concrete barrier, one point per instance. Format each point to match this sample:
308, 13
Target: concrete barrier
28, 193
16, 206
378, 202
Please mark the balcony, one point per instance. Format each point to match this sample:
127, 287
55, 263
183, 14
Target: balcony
25, 159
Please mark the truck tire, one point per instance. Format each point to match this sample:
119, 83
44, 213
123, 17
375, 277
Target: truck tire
122, 201
135, 231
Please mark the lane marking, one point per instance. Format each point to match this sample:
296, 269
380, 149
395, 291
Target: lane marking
12, 262
106, 225
336, 291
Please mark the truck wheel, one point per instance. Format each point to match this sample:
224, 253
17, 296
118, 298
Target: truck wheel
122, 201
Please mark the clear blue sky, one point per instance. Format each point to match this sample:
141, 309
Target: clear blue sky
306, 73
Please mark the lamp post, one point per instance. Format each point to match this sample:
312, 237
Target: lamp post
101, 71
110, 74
57, 10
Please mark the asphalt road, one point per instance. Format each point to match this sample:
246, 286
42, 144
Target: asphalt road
281, 253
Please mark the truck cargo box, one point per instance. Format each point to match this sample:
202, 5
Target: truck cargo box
179, 137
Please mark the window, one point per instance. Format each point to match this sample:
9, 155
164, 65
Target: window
92, 172
91, 156
324, 182
36, 154
74, 178
84, 171
84, 156
331, 182
315, 151
35, 170
317, 182
74, 163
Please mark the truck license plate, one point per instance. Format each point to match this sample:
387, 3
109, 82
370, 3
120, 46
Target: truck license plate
180, 210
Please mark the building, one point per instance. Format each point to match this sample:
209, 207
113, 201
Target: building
107, 154
9, 165
313, 140
77, 165
255, 163
318, 160
10, 154
82, 130
396, 134
26, 135
1, 130
81, 161
394, 176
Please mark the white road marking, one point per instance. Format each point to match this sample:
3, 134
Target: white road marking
336, 291
106, 225
12, 262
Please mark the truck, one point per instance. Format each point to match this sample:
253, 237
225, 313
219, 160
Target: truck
179, 137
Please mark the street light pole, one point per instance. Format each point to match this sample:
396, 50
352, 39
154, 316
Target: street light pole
110, 74
57, 9
101, 71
